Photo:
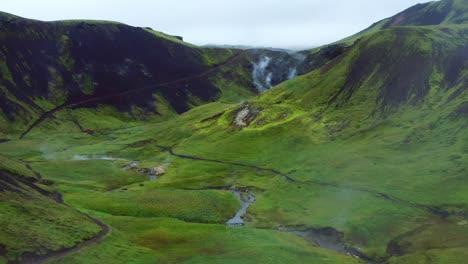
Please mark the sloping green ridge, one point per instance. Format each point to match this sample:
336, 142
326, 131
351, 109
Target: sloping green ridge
31, 222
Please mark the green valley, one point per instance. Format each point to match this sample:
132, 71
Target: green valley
144, 158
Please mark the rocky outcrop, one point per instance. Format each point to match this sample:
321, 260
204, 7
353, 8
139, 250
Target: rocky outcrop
245, 115
153, 173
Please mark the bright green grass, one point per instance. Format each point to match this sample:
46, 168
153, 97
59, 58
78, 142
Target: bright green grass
169, 37
33, 223
93, 174
173, 241
381, 162
115, 247
40, 224
15, 166
436, 235
192, 206
368, 222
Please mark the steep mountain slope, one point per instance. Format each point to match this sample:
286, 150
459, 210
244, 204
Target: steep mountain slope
34, 221
444, 12
48, 64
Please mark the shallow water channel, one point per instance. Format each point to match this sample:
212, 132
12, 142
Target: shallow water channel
246, 200
327, 238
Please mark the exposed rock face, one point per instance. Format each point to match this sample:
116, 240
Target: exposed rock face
245, 116
153, 173
241, 116
158, 171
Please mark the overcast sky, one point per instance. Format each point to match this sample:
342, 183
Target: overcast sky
269, 23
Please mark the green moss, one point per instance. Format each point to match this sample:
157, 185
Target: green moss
163, 107
14, 166
201, 243
65, 57
6, 72
234, 81
192, 206
55, 226
214, 56
44, 104
40, 224
88, 85
57, 94
169, 37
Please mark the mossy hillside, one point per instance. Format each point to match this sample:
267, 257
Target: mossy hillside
332, 124
183, 173
445, 12
192, 126
65, 75
99, 119
140, 201
116, 242
240, 90
15, 166
41, 225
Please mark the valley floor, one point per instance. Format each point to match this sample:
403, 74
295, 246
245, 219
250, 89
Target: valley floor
313, 203
301, 213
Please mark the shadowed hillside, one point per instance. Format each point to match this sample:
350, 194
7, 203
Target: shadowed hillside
48, 64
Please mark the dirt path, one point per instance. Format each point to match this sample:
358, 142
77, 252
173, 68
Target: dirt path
387, 197
34, 259
50, 113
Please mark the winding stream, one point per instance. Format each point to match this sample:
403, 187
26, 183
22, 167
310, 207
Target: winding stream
327, 238
238, 220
